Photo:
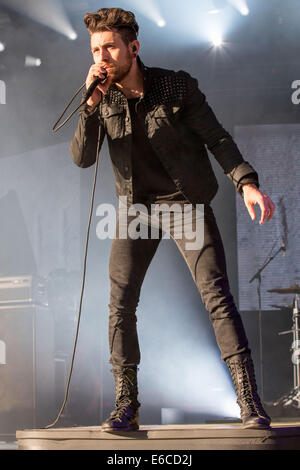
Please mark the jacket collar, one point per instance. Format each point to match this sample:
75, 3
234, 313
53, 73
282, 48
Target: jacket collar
146, 78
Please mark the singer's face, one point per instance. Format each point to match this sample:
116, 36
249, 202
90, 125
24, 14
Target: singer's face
111, 52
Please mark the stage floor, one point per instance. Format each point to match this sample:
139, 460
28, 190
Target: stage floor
282, 436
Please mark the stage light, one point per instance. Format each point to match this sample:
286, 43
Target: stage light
73, 36
245, 11
161, 23
50, 13
214, 27
32, 61
217, 40
2, 47
241, 6
150, 9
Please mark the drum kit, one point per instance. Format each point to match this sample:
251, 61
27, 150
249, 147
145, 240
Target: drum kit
293, 398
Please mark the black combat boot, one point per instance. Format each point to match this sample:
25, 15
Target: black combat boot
125, 416
242, 372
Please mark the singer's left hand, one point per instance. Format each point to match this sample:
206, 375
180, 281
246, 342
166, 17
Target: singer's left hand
253, 196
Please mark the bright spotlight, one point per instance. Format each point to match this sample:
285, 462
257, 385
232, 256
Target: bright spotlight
73, 36
217, 40
50, 13
32, 61
245, 11
150, 9
241, 6
161, 23
2, 47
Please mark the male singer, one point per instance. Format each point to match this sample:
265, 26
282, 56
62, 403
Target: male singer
158, 125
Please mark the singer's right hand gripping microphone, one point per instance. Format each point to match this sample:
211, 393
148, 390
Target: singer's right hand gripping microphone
93, 86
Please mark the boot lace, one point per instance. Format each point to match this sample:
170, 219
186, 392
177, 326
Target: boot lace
245, 385
126, 394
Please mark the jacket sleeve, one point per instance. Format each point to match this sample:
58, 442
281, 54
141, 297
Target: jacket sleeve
198, 116
83, 145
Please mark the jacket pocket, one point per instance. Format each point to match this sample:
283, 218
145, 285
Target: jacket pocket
114, 120
165, 115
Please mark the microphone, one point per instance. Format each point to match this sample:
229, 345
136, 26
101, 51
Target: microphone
283, 247
93, 86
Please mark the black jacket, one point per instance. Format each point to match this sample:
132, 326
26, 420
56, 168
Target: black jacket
179, 124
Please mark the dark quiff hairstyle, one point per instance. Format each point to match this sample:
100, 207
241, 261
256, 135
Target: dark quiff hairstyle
113, 19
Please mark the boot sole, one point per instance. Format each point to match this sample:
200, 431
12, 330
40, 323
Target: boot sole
256, 426
128, 429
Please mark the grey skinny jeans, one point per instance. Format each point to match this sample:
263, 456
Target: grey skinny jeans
128, 264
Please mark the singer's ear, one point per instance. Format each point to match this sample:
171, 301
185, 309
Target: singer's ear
135, 48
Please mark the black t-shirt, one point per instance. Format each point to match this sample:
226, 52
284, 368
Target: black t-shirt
151, 182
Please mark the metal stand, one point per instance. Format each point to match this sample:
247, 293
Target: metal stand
257, 276
293, 398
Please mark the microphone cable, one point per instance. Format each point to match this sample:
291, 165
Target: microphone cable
86, 245
88, 94
55, 129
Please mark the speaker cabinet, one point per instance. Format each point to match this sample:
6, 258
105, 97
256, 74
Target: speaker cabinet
17, 368
26, 368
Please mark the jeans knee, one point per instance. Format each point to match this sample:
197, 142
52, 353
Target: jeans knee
217, 297
124, 296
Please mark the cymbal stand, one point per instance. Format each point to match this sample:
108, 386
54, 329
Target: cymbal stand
293, 398
257, 276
